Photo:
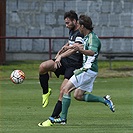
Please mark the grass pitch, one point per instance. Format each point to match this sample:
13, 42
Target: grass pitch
21, 110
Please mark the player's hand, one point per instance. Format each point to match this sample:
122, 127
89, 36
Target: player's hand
78, 47
63, 49
57, 55
57, 62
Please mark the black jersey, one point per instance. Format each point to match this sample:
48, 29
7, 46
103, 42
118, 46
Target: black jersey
75, 59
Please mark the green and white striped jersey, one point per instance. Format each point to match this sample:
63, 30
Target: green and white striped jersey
91, 42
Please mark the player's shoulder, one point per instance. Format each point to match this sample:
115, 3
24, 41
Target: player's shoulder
77, 33
93, 35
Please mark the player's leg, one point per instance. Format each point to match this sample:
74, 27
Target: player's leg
67, 75
58, 106
79, 95
84, 83
44, 68
87, 85
74, 82
57, 109
66, 100
71, 85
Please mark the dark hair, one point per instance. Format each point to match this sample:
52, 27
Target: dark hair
71, 15
86, 21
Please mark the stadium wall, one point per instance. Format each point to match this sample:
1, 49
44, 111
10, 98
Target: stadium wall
43, 18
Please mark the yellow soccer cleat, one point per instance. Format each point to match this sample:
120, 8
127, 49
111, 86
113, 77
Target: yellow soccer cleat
45, 98
46, 123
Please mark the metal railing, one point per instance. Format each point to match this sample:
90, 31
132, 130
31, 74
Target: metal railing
51, 38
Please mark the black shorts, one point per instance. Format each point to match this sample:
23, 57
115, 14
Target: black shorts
65, 69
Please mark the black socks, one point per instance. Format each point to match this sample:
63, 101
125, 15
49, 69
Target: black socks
44, 82
57, 109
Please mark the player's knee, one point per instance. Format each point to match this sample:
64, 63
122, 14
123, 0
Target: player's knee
65, 90
77, 97
42, 68
61, 92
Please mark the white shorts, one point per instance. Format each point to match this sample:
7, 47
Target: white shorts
85, 80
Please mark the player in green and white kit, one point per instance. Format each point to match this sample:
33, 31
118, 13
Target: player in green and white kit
83, 78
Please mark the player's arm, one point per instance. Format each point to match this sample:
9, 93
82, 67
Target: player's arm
80, 48
68, 52
70, 49
65, 54
62, 50
86, 52
67, 49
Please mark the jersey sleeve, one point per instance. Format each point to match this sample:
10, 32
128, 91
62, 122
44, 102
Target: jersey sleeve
79, 40
94, 44
75, 37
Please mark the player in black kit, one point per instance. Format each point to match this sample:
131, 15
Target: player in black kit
65, 62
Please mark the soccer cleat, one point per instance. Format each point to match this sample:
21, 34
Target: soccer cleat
58, 120
45, 98
109, 103
46, 123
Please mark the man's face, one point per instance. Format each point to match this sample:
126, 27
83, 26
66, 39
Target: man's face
70, 24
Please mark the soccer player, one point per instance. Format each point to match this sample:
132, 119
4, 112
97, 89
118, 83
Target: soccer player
83, 78
65, 62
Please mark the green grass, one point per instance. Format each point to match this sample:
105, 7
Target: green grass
119, 69
21, 111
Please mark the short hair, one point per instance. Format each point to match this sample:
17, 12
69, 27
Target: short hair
86, 21
71, 15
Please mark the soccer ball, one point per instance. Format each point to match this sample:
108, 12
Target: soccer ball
17, 76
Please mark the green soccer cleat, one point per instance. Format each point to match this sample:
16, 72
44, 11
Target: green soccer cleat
46, 123
45, 98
